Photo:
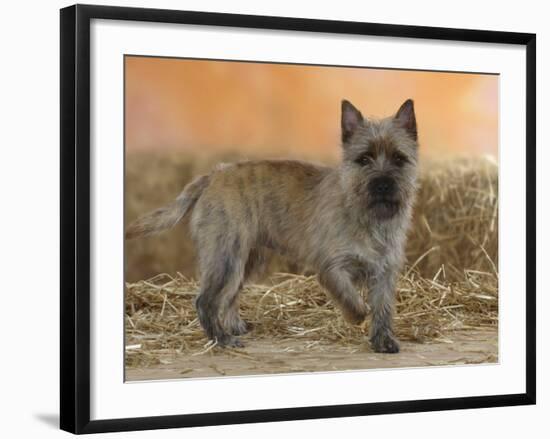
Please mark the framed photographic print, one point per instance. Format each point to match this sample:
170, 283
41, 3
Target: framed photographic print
268, 218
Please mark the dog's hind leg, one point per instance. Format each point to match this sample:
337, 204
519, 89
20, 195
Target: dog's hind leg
255, 265
216, 294
232, 320
222, 271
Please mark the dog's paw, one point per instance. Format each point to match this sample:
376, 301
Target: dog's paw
385, 343
240, 327
229, 341
356, 314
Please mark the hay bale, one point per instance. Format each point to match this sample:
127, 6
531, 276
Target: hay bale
455, 221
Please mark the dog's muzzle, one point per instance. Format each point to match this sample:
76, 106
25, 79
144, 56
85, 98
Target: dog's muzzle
383, 200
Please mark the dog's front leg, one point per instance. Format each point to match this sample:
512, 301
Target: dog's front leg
381, 298
337, 278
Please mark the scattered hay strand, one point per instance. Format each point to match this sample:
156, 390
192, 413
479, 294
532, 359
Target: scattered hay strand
296, 307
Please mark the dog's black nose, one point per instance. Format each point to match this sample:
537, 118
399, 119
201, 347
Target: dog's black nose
383, 186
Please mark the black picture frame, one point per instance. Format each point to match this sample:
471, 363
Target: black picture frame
75, 217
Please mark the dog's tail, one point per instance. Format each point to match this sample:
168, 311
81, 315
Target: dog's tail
168, 216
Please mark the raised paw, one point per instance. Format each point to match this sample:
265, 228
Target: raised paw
357, 313
384, 342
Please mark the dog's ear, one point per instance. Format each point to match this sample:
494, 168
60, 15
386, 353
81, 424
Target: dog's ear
405, 118
351, 118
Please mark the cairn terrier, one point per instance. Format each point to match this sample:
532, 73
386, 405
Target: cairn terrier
348, 224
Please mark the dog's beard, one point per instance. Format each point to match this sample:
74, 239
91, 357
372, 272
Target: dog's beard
384, 208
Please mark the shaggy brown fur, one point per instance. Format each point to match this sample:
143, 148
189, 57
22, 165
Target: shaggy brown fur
347, 223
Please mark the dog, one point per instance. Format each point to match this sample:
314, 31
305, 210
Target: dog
348, 224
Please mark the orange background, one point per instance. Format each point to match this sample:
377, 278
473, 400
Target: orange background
213, 107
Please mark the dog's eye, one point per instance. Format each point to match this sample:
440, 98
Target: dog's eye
365, 159
399, 159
